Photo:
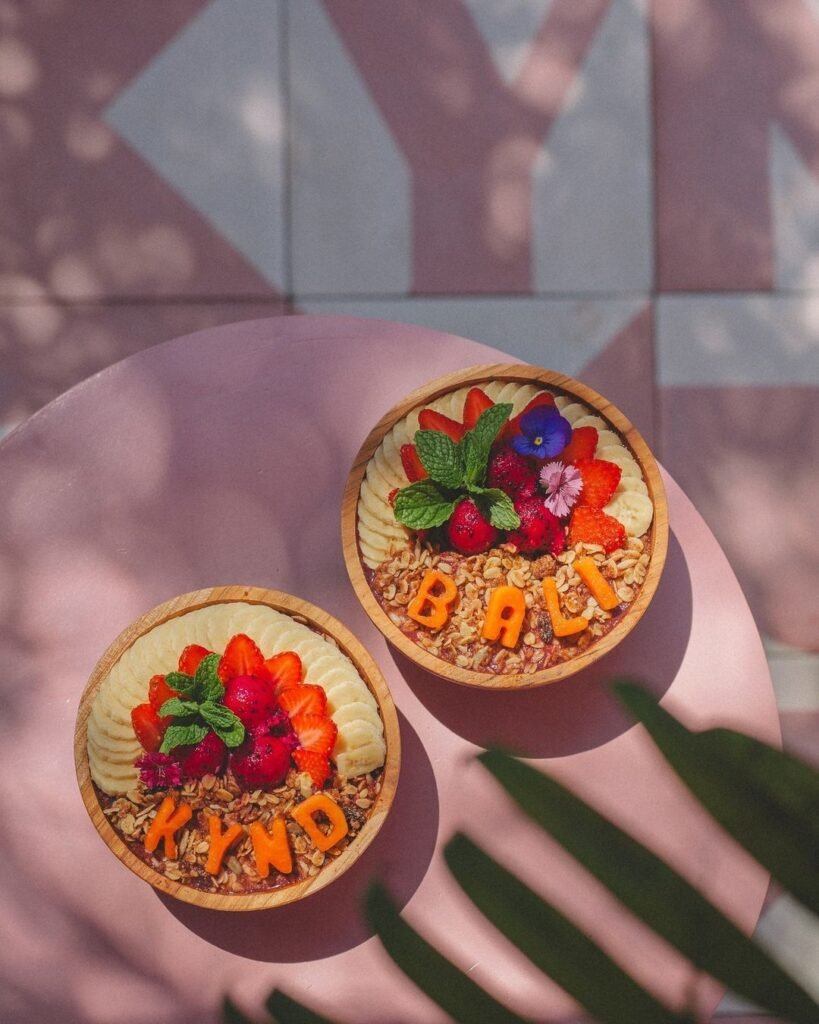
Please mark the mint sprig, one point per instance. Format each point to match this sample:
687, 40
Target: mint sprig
456, 471
197, 708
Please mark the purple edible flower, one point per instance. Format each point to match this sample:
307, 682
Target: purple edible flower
562, 485
544, 433
159, 771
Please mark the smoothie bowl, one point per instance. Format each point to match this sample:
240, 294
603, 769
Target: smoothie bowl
237, 748
504, 526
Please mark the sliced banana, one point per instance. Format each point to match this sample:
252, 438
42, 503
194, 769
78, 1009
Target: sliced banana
356, 734
360, 761
631, 483
394, 475
591, 421
573, 412
357, 710
628, 467
605, 438
633, 509
346, 692
617, 451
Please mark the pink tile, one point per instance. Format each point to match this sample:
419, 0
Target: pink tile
81, 215
46, 348
488, 161
724, 73
747, 456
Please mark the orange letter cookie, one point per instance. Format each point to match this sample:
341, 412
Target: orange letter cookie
165, 824
504, 616
560, 626
430, 606
219, 843
321, 803
597, 583
271, 847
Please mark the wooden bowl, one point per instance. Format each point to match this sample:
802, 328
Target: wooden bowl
323, 624
559, 384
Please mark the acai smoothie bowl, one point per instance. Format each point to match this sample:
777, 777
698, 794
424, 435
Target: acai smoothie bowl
237, 748
504, 526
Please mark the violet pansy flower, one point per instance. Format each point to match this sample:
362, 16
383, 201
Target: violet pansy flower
562, 485
544, 433
159, 771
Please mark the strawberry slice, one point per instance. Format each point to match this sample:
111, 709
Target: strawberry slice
316, 765
411, 462
582, 445
315, 732
148, 726
189, 659
284, 670
600, 480
431, 420
242, 657
303, 699
592, 526
513, 426
476, 402
159, 692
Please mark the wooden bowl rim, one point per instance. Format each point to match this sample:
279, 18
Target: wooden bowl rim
324, 624
523, 374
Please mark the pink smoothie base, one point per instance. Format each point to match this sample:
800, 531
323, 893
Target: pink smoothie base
220, 458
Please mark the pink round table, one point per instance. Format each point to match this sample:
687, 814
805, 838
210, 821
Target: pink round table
220, 458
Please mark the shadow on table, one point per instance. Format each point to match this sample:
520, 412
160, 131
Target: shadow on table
331, 921
578, 713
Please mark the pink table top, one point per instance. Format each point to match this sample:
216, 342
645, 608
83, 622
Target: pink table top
220, 458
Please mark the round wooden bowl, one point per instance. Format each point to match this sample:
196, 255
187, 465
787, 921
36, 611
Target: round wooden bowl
560, 384
323, 624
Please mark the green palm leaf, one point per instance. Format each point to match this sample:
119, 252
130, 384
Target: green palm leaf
552, 942
766, 799
653, 891
441, 980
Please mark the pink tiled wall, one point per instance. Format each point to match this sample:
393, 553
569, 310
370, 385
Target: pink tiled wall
623, 190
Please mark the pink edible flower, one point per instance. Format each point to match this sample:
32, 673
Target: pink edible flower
562, 485
159, 771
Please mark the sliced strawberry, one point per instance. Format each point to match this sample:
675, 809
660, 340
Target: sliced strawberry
148, 726
284, 670
392, 494
189, 659
242, 657
303, 699
476, 402
159, 692
411, 462
513, 426
582, 445
315, 732
592, 526
600, 480
316, 765
431, 420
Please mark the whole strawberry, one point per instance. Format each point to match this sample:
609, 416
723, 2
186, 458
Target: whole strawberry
539, 529
260, 761
252, 700
512, 473
468, 532
207, 757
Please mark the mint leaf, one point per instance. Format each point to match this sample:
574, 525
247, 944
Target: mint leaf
182, 736
176, 706
207, 684
179, 681
224, 723
501, 511
423, 505
477, 442
440, 457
